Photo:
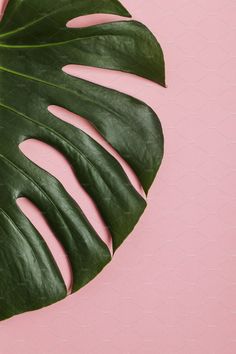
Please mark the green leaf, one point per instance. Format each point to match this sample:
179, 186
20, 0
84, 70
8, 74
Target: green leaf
34, 46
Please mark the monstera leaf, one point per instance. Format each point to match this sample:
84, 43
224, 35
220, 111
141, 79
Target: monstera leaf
34, 46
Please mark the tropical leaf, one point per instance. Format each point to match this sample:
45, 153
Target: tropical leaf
34, 45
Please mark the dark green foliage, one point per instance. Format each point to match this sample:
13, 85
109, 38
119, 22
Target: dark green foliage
34, 45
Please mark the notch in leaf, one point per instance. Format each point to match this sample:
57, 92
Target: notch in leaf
34, 46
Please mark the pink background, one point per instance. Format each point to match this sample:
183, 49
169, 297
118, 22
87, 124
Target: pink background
171, 288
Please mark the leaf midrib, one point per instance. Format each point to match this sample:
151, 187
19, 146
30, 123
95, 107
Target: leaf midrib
9, 162
29, 24
58, 87
55, 44
33, 78
58, 135
22, 234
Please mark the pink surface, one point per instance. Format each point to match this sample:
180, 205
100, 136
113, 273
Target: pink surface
171, 288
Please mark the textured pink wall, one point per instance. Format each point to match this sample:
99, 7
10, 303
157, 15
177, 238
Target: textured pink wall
171, 288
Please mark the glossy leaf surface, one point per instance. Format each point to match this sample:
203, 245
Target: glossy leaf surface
34, 46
